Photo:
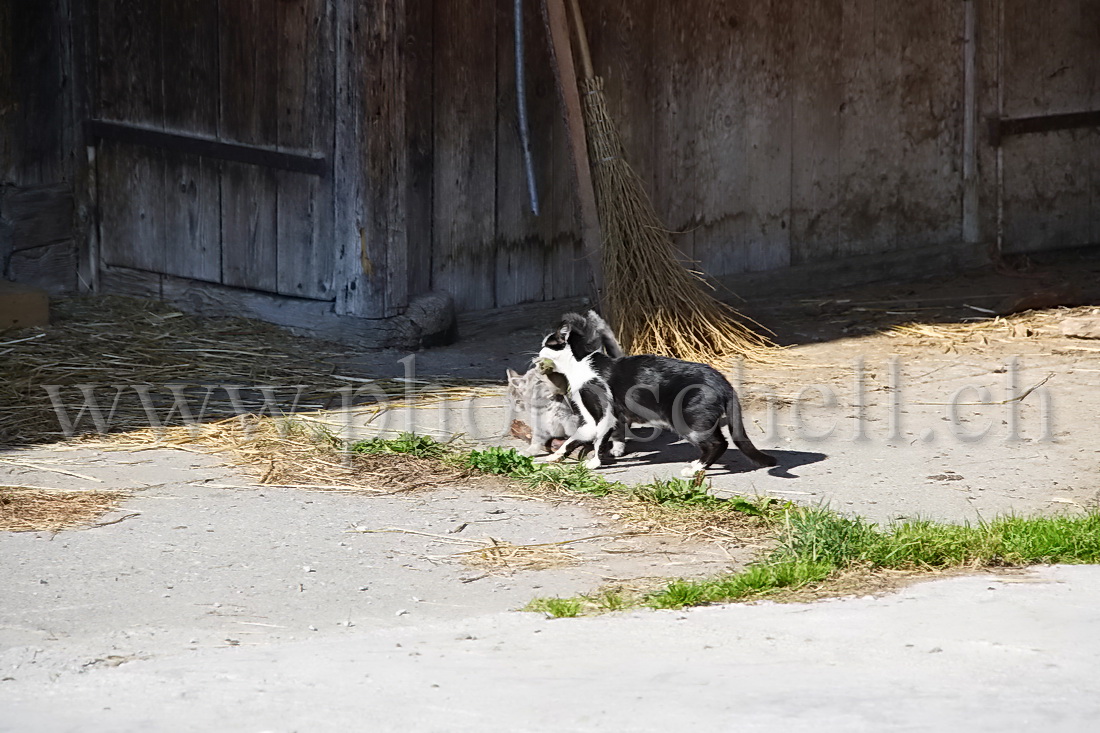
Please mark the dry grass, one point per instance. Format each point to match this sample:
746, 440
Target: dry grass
981, 332
132, 343
30, 509
504, 556
655, 304
298, 453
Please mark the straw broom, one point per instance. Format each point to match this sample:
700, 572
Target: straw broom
654, 303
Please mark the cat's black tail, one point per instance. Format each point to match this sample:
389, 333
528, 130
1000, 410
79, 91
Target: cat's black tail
607, 337
740, 438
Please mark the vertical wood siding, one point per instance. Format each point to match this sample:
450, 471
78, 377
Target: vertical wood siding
1051, 180
241, 71
768, 132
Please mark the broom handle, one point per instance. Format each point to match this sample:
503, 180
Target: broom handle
582, 40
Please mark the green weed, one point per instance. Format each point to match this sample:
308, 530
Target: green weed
419, 446
556, 607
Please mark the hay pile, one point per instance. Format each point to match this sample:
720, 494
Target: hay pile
31, 509
983, 331
504, 556
297, 453
116, 342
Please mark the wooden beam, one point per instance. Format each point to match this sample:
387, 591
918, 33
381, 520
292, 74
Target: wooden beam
314, 318
1002, 127
205, 147
565, 74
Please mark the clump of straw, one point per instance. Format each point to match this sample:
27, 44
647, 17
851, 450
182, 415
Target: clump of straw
32, 509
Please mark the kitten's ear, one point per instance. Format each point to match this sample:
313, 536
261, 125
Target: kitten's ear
563, 331
512, 374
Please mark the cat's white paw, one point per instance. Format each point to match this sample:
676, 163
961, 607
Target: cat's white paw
691, 469
552, 458
534, 450
618, 449
593, 462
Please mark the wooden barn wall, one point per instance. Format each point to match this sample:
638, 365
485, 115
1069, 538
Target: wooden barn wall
770, 133
37, 141
1049, 54
776, 132
237, 71
472, 232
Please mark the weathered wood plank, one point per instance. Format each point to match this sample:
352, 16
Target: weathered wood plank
249, 114
264, 156
767, 84
870, 141
83, 31
51, 267
622, 34
305, 123
35, 113
721, 106
520, 234
989, 87
1090, 23
370, 160
1049, 62
303, 316
419, 127
817, 95
682, 105
9, 142
192, 191
463, 263
388, 158
129, 62
930, 191
33, 216
131, 179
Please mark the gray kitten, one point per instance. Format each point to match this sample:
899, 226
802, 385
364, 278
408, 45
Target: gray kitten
542, 394
545, 408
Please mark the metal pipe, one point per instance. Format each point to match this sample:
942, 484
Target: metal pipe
521, 110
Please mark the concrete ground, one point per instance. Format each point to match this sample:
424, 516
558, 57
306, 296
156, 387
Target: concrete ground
251, 609
218, 604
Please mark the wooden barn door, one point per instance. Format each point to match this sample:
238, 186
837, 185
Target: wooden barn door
1048, 126
213, 126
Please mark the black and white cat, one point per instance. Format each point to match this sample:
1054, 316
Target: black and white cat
541, 395
694, 400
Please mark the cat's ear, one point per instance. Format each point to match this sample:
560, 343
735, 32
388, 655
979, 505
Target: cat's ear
515, 379
512, 374
564, 330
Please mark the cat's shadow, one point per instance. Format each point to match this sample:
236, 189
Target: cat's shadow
668, 448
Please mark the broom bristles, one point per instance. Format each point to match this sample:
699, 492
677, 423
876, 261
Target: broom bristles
656, 305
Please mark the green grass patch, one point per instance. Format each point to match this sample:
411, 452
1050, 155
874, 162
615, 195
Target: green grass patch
675, 492
812, 544
418, 446
756, 581
556, 607
815, 543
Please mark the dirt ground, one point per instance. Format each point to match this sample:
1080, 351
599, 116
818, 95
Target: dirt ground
208, 600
